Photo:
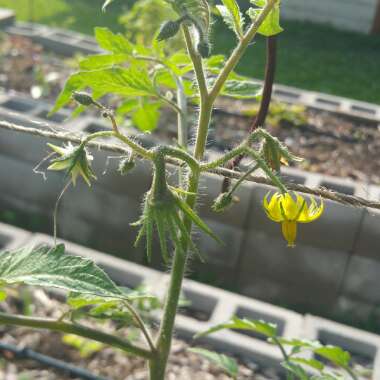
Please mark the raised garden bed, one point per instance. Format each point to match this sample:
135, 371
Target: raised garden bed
318, 267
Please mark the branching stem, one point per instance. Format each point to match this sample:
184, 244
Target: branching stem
70, 328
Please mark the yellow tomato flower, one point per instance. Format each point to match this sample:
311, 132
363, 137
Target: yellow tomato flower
284, 209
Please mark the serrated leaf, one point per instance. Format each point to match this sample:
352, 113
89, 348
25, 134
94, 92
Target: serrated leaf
230, 12
313, 363
130, 81
302, 343
115, 43
146, 116
51, 267
226, 363
335, 355
296, 370
101, 61
240, 88
271, 24
267, 329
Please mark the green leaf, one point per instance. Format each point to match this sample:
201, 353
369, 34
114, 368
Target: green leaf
267, 329
86, 347
335, 355
295, 369
101, 61
230, 12
226, 363
271, 24
3, 295
51, 267
146, 116
130, 81
313, 363
239, 88
115, 43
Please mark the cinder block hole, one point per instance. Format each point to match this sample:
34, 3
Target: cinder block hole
362, 353
25, 28
93, 128
243, 312
122, 277
199, 306
61, 36
327, 102
294, 179
361, 109
18, 105
286, 94
88, 43
57, 117
345, 189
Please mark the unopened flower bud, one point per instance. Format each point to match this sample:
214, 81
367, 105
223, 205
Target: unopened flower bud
83, 98
126, 165
168, 29
204, 49
224, 201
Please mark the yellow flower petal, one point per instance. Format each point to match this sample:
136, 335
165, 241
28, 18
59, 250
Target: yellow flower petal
273, 207
289, 206
289, 230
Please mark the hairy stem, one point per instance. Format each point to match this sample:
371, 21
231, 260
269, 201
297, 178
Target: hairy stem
70, 328
240, 50
259, 119
157, 365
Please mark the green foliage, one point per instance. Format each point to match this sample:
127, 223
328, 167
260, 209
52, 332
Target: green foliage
267, 329
226, 363
51, 267
85, 347
271, 25
232, 16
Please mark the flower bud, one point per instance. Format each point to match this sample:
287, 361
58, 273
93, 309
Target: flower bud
204, 49
76, 160
126, 165
83, 98
168, 29
224, 201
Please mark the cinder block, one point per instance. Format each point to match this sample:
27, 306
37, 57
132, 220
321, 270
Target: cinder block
94, 216
26, 190
12, 237
7, 17
123, 272
359, 343
218, 306
300, 276
361, 279
21, 145
367, 244
26, 29
236, 216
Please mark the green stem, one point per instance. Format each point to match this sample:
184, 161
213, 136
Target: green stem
240, 50
289, 376
351, 373
157, 365
70, 328
182, 116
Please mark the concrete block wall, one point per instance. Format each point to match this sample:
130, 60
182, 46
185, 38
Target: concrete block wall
210, 306
335, 262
